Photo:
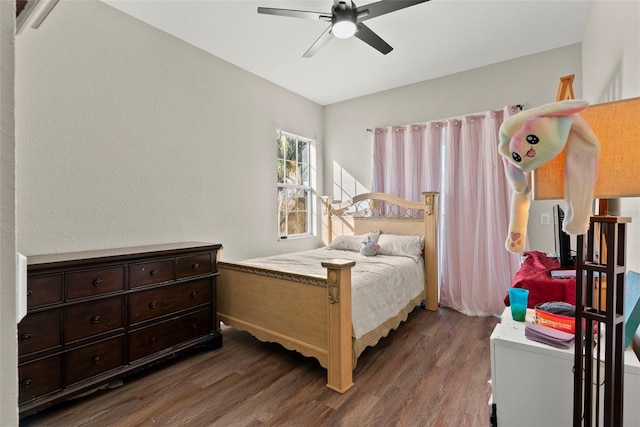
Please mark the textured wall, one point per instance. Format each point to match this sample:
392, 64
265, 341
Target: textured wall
8, 329
129, 136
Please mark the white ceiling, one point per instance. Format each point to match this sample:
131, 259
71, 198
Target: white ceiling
430, 40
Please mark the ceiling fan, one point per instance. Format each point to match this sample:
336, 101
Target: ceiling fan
347, 20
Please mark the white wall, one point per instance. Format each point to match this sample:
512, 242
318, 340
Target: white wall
129, 136
530, 79
8, 329
611, 60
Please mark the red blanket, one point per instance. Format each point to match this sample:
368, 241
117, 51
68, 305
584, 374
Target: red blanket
534, 275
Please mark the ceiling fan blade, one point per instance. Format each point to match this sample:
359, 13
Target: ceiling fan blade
383, 7
305, 14
365, 34
322, 40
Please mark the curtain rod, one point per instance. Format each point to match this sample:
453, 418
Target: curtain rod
473, 116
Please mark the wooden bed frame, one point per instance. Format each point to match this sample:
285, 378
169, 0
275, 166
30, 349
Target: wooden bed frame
312, 315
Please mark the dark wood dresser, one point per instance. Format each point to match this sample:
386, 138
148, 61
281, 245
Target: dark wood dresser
94, 317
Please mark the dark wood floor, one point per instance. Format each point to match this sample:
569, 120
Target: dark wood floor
432, 371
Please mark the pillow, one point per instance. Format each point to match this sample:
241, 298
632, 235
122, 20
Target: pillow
353, 243
369, 248
409, 246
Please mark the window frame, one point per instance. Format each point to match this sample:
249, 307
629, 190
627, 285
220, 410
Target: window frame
307, 161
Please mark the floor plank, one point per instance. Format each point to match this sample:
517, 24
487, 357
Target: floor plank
432, 371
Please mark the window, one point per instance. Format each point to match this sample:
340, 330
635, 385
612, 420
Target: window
294, 185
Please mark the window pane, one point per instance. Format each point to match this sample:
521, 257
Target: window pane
292, 173
282, 221
303, 151
301, 223
296, 223
304, 174
292, 197
291, 220
281, 146
282, 198
290, 152
281, 172
301, 200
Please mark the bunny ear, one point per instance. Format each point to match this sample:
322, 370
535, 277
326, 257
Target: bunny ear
515, 123
581, 163
555, 109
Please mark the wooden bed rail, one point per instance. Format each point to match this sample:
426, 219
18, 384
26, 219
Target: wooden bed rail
267, 304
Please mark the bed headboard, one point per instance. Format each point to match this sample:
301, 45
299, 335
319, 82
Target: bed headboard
379, 211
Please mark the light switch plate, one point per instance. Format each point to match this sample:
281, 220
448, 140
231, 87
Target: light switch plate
544, 219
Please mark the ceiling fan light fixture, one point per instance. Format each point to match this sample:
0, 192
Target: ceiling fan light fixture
343, 29
346, 21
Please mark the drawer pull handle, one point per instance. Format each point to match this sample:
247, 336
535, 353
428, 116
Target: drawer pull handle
96, 360
195, 266
153, 304
194, 294
194, 326
97, 282
26, 383
29, 292
25, 337
96, 319
154, 273
152, 340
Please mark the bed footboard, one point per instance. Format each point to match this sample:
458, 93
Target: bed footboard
308, 314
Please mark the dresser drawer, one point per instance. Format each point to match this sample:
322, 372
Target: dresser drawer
168, 299
92, 318
39, 377
194, 265
80, 284
92, 360
167, 334
39, 331
44, 290
148, 273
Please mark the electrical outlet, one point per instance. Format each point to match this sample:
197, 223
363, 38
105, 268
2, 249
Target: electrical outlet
544, 219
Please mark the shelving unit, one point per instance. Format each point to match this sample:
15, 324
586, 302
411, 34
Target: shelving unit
601, 260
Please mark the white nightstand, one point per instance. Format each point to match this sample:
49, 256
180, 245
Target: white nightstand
532, 383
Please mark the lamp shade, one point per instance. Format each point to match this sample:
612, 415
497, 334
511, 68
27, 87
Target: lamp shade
617, 126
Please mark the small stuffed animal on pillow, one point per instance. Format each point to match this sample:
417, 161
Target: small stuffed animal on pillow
533, 137
370, 247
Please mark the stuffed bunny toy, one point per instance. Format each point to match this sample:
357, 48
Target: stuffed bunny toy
533, 137
370, 247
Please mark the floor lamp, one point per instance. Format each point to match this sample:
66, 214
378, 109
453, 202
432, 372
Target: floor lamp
601, 260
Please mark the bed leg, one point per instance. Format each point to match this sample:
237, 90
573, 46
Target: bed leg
340, 353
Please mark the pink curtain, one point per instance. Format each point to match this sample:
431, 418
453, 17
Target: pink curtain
379, 159
476, 269
406, 160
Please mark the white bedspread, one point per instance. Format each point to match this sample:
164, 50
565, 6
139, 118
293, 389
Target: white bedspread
381, 285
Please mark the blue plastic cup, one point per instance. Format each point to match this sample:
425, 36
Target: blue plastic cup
518, 298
